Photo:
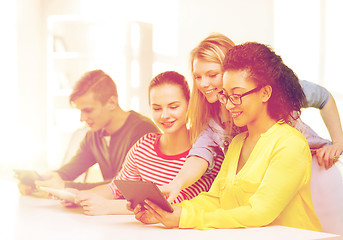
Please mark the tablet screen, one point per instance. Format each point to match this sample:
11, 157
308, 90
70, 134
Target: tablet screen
137, 191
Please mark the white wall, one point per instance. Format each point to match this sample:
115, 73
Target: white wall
308, 40
8, 80
244, 20
27, 127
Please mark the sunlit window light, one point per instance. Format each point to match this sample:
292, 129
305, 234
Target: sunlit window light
135, 38
158, 67
333, 46
135, 104
9, 94
300, 54
135, 70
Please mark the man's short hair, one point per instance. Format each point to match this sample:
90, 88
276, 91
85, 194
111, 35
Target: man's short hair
96, 81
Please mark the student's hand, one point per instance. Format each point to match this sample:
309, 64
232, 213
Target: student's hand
170, 220
129, 207
29, 191
25, 189
26, 181
93, 204
69, 204
328, 155
171, 191
51, 179
142, 215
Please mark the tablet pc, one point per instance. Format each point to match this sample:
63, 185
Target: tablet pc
137, 191
27, 177
60, 193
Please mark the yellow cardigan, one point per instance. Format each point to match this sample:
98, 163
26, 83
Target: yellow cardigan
272, 188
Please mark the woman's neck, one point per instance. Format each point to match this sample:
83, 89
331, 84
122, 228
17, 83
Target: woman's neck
260, 126
175, 143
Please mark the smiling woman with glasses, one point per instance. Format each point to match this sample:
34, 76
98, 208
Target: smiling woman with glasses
212, 127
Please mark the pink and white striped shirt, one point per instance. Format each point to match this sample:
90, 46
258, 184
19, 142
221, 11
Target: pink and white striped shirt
145, 162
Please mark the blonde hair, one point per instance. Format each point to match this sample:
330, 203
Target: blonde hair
212, 49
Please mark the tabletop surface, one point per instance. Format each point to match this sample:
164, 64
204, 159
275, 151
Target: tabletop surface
25, 217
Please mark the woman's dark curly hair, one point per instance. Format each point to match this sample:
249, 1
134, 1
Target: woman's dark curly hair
267, 68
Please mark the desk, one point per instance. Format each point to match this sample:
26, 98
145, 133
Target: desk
24, 217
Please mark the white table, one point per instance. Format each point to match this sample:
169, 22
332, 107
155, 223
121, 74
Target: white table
24, 217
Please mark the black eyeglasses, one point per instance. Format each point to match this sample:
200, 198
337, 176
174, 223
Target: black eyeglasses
235, 99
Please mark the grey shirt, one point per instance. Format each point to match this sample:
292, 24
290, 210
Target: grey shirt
94, 149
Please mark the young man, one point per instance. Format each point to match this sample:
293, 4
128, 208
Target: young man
113, 132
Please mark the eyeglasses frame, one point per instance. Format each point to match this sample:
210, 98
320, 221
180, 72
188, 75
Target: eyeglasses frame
239, 96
